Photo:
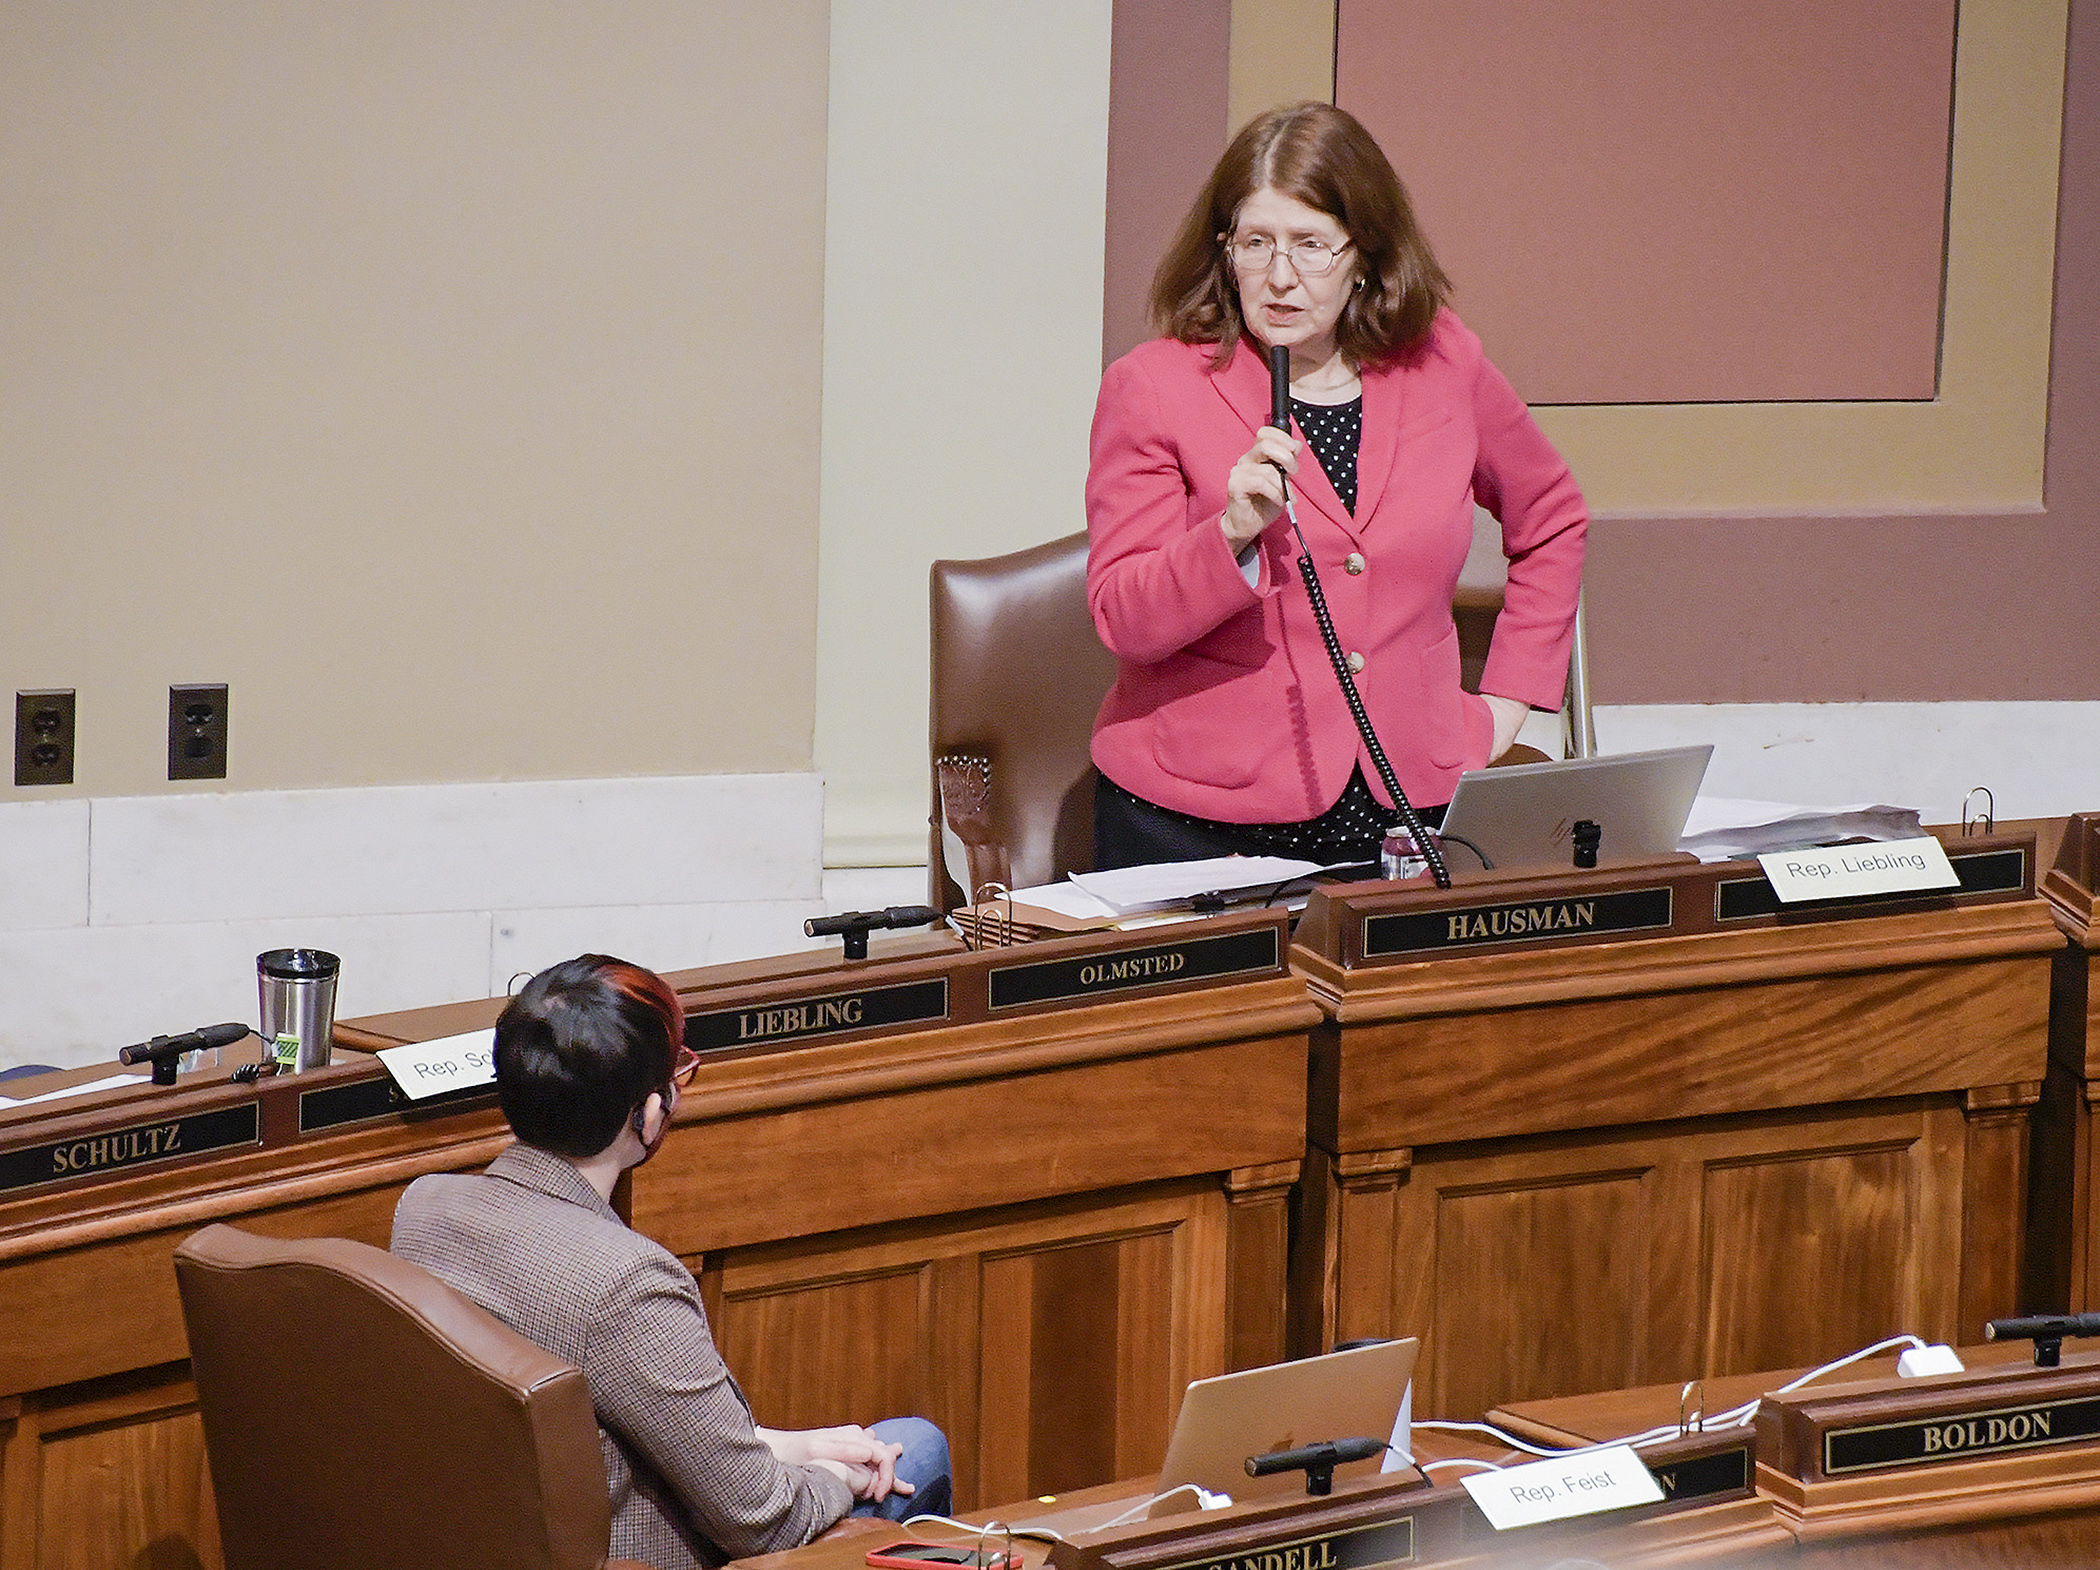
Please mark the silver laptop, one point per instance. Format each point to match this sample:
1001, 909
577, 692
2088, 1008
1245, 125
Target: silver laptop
1344, 1395
1523, 816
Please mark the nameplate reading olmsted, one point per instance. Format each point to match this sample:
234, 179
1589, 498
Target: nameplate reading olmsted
94, 1154
805, 1019
1120, 970
1926, 1441
1523, 921
1359, 1548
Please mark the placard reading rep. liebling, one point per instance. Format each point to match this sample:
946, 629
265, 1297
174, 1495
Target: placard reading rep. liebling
1845, 871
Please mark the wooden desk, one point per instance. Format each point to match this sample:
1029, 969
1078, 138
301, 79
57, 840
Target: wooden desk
1034, 1226
1587, 1167
2018, 1509
2064, 1242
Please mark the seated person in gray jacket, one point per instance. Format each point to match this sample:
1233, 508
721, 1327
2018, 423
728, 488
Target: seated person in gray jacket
589, 1057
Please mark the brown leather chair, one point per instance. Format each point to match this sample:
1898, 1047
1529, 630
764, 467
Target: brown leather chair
360, 1414
1018, 675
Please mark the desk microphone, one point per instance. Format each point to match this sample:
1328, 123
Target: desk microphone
2046, 1331
855, 925
1317, 1462
162, 1051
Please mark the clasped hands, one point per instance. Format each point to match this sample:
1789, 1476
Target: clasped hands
868, 1464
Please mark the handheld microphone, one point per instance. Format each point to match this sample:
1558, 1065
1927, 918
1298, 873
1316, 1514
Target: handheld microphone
162, 1051
1280, 388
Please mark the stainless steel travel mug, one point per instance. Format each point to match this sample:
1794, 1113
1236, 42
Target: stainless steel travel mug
297, 991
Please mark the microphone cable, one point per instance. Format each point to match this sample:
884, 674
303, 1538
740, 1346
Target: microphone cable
1280, 405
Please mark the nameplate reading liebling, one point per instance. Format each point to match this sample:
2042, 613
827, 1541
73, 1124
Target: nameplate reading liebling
139, 1144
1846, 871
1110, 971
1519, 921
807, 1019
1359, 1548
1928, 1441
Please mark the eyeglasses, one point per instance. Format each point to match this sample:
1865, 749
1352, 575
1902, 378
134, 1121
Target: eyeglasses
683, 1062
1256, 253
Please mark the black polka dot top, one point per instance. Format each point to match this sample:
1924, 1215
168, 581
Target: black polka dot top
1334, 431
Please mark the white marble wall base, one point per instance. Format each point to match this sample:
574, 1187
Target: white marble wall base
2041, 760
123, 918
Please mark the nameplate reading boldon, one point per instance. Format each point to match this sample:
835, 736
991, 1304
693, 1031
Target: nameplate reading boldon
1256, 951
1928, 1441
1582, 1483
791, 1020
1516, 921
1358, 1548
430, 1068
1847, 871
138, 1144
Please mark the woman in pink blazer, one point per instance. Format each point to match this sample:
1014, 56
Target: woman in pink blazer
1226, 730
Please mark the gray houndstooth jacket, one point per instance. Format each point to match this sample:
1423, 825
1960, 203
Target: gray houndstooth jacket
691, 1483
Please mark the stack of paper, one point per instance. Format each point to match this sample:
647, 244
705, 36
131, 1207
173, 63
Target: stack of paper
1724, 827
1179, 885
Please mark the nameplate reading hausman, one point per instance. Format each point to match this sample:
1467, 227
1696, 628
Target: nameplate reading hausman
140, 1144
1926, 1441
1518, 921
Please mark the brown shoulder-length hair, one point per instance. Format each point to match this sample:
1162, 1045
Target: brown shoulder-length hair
1324, 158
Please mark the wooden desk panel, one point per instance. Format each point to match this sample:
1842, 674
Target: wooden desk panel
1103, 1186
2063, 1262
1665, 1158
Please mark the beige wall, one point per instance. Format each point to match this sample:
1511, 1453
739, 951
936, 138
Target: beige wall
969, 148
444, 375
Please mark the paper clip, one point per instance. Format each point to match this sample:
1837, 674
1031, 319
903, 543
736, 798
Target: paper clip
1691, 1408
1989, 820
992, 932
1006, 1559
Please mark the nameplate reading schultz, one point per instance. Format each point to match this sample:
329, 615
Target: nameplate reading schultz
1520, 921
88, 1155
1360, 1548
806, 1019
1121, 970
1927, 1441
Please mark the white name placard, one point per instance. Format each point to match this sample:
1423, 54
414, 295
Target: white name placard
428, 1068
1882, 867
1579, 1484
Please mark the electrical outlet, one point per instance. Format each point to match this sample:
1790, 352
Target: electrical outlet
197, 733
44, 737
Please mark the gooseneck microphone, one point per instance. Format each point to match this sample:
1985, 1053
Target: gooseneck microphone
162, 1051
1280, 417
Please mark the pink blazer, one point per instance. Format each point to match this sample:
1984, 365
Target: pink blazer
1225, 705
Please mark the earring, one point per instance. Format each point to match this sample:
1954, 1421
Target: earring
1358, 286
